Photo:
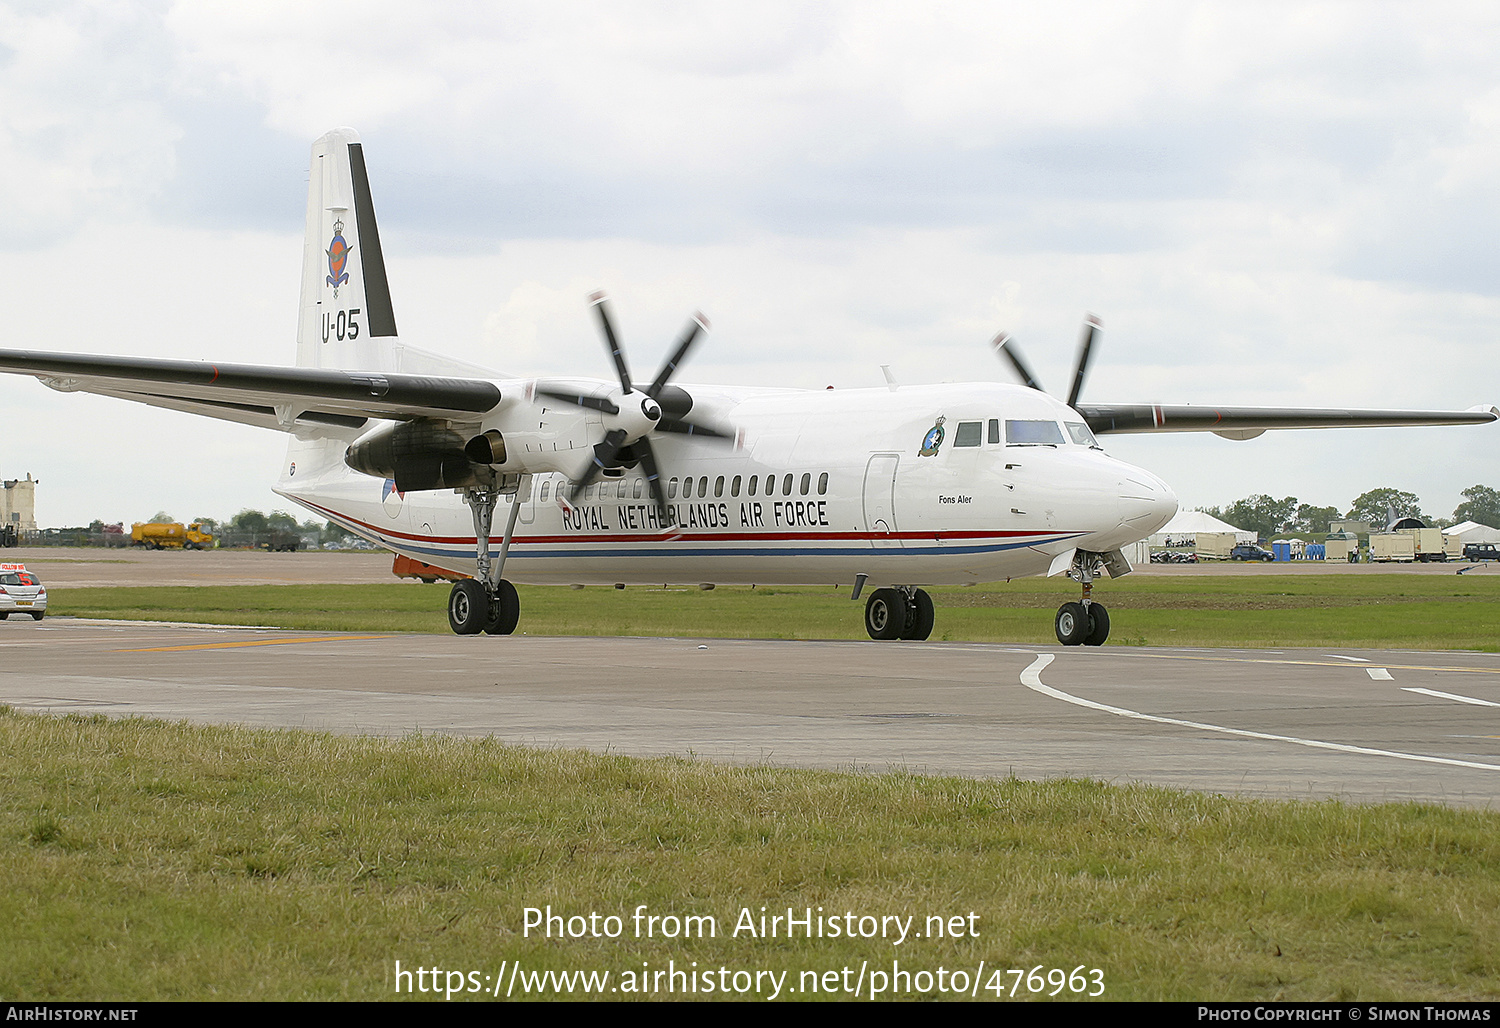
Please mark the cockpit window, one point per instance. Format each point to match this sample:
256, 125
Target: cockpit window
970, 433
1081, 434
1033, 433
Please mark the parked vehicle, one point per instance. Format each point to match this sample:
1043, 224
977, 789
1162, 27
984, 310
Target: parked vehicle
21, 592
170, 536
1481, 551
1249, 551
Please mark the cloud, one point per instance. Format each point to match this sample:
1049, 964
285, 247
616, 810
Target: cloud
1266, 204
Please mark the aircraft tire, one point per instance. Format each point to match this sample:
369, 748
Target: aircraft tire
920, 616
1098, 625
505, 610
468, 607
1071, 624
885, 614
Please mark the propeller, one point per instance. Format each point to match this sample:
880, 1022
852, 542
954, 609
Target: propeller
1005, 347
638, 411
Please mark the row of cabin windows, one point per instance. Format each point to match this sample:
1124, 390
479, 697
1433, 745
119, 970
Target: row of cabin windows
635, 488
1021, 433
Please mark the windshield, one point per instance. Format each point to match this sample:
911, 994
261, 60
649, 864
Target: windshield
1081, 434
1033, 433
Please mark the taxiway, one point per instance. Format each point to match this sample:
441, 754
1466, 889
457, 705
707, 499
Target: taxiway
1364, 725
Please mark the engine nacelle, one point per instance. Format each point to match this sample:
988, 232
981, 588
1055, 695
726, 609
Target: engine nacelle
418, 454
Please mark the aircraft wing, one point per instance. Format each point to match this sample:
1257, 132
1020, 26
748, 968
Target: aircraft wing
283, 398
1249, 422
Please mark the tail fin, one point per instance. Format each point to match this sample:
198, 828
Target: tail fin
346, 317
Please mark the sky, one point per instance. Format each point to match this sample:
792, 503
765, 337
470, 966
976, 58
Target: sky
1277, 203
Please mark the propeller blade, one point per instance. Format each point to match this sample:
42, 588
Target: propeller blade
1004, 347
1091, 328
601, 403
605, 453
647, 458
601, 308
688, 428
690, 335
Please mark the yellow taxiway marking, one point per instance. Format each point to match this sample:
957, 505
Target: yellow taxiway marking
254, 642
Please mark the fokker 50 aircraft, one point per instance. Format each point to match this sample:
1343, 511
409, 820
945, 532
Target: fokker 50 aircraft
610, 481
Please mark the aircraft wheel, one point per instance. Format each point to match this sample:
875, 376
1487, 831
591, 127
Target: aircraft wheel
919, 617
885, 614
468, 607
505, 610
1072, 624
1098, 625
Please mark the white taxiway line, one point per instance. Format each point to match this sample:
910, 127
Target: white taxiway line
1032, 679
1380, 674
1451, 696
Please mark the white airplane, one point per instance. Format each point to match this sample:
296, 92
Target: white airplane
612, 482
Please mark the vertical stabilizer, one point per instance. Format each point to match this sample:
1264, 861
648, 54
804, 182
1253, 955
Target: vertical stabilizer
346, 319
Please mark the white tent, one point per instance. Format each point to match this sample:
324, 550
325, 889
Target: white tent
1188, 523
1473, 532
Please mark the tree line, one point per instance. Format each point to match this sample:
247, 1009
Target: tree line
1267, 516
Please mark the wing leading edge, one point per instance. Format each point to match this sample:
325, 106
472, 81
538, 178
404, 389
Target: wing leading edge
1249, 422
266, 396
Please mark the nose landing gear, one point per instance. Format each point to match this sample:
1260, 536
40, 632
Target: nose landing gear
1087, 622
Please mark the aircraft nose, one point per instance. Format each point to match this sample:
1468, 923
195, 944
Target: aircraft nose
1149, 502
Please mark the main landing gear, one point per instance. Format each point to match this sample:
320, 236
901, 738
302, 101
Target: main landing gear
1085, 623
900, 613
487, 602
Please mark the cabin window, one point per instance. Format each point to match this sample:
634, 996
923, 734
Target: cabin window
1081, 434
753, 481
994, 430
672, 489
635, 492
734, 487
620, 492
970, 433
719, 486
703, 486
823, 484
546, 488
1032, 433
786, 486
806, 483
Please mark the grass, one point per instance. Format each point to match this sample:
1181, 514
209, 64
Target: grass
1395, 610
145, 860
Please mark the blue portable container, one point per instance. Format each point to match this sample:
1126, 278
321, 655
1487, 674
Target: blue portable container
1282, 550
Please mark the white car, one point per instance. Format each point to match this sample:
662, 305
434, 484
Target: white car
21, 591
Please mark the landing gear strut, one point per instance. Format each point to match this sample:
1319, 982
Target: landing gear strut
487, 602
900, 613
1085, 622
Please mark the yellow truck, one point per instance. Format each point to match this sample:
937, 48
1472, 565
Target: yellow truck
174, 536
